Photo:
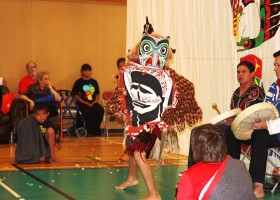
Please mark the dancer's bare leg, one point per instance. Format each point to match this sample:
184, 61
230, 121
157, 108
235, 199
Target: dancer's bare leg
147, 174
132, 175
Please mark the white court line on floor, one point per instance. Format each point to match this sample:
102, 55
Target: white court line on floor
10, 190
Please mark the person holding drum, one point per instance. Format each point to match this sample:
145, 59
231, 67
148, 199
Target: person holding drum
266, 135
244, 96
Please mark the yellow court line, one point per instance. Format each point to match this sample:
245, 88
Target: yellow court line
10, 190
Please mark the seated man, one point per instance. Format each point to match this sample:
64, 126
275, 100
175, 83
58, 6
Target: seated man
120, 63
230, 178
29, 79
266, 135
0, 101
244, 96
37, 137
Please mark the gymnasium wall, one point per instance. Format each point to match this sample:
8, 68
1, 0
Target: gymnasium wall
60, 36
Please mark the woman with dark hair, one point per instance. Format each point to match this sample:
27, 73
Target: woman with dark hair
215, 174
86, 91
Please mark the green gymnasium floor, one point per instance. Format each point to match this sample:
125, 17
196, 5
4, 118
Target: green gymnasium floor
84, 184
87, 184
89, 169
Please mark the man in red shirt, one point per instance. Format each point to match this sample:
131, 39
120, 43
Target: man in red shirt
29, 79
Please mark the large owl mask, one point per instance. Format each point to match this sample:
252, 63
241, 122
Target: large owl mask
153, 51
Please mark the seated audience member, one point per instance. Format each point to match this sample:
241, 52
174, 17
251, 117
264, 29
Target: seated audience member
0, 101
29, 79
228, 178
247, 94
86, 91
3, 81
120, 63
6, 99
266, 135
42, 91
37, 137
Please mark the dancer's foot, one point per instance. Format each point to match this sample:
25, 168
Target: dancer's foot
258, 190
152, 197
126, 184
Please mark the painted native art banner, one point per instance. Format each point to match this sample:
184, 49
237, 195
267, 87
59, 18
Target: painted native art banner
268, 11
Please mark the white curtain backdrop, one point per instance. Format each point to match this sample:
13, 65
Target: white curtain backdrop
201, 32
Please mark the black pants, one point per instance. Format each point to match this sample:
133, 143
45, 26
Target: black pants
260, 142
93, 117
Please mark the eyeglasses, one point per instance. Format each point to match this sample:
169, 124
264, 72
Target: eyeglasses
32, 67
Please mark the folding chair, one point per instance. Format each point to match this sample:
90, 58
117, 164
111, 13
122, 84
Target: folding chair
105, 97
57, 120
245, 152
273, 160
71, 112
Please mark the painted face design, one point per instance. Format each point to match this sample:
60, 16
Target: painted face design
146, 97
153, 51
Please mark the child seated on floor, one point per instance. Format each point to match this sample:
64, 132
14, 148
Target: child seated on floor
37, 137
215, 174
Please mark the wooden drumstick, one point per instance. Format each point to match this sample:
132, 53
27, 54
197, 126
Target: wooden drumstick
215, 107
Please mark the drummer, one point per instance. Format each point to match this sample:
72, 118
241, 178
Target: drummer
266, 135
244, 96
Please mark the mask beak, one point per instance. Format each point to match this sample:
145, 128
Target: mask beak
155, 60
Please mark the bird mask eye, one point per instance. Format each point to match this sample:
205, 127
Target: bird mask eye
146, 47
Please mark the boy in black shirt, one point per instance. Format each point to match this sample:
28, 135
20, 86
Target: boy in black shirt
37, 137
